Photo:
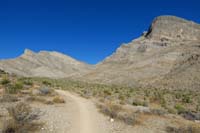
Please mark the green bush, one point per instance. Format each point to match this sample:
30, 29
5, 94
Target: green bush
5, 81
180, 109
137, 102
186, 99
47, 83
14, 88
28, 82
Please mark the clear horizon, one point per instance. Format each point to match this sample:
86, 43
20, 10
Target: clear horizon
88, 30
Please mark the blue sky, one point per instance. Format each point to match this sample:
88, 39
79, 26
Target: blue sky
88, 30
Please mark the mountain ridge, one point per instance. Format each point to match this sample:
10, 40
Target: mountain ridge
170, 46
44, 64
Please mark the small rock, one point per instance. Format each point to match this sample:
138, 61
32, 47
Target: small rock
112, 120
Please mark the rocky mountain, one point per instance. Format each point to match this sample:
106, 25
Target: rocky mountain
44, 64
167, 55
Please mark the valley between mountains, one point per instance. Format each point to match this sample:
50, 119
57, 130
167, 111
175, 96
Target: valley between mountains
149, 85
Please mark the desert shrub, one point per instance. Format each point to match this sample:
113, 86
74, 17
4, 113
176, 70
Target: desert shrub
128, 118
58, 99
107, 92
47, 83
22, 113
186, 99
137, 102
2, 72
110, 109
14, 88
28, 82
180, 109
116, 111
183, 129
45, 91
171, 110
122, 97
191, 116
86, 93
5, 81
22, 119
158, 96
159, 112
198, 106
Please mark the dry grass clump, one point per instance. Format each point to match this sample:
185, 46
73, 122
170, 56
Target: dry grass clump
58, 99
22, 119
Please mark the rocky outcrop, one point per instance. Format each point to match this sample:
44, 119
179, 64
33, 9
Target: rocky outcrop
44, 64
173, 28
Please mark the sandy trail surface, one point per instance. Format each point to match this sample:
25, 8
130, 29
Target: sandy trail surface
85, 116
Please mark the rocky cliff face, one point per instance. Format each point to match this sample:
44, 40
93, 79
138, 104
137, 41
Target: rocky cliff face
44, 64
165, 56
174, 28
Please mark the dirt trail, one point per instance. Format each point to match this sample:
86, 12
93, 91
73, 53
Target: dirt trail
85, 116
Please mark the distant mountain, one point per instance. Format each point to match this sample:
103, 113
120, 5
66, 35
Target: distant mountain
44, 64
167, 55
